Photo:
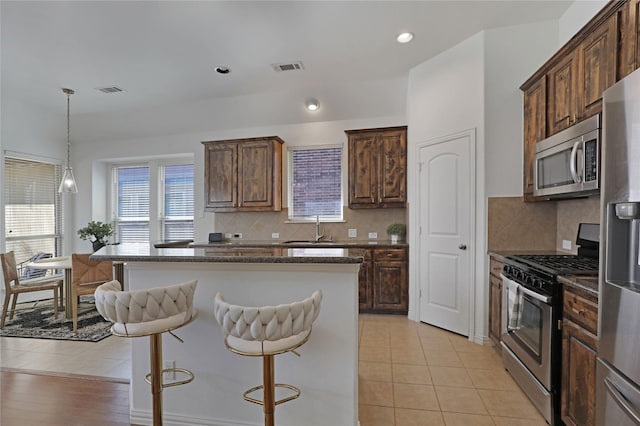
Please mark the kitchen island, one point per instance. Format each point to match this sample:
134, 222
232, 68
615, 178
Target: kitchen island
326, 372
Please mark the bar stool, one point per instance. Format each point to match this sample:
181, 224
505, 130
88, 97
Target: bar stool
267, 331
150, 312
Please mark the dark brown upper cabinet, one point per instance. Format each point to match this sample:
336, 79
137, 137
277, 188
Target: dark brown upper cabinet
563, 94
578, 78
535, 119
243, 174
377, 167
628, 38
568, 88
597, 67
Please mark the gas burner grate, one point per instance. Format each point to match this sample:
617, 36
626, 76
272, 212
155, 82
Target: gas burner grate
562, 264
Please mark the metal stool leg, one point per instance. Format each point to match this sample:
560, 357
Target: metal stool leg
156, 377
269, 390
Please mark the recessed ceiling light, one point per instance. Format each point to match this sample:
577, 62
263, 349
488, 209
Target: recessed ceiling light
404, 37
313, 104
223, 70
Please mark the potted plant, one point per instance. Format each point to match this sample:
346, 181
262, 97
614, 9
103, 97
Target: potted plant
97, 233
397, 231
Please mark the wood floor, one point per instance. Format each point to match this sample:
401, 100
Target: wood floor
32, 398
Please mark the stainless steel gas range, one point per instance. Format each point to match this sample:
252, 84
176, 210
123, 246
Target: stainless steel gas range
531, 316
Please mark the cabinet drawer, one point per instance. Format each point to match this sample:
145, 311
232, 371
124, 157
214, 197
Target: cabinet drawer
581, 311
495, 266
389, 254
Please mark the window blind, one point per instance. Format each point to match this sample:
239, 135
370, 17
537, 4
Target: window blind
132, 203
315, 184
177, 205
33, 208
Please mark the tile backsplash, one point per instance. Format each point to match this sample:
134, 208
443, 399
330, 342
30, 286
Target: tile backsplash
516, 225
260, 225
573, 212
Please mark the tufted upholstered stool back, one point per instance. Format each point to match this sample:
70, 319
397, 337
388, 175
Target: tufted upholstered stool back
148, 311
266, 329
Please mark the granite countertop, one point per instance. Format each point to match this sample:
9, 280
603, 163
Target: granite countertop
587, 284
501, 254
147, 253
301, 243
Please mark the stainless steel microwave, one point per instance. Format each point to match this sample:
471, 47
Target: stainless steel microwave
567, 163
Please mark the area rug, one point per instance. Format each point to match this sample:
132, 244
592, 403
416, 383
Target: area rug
38, 322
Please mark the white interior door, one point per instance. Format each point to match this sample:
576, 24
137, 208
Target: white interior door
445, 213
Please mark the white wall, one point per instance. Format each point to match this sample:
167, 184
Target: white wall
91, 169
576, 16
475, 85
34, 133
446, 96
506, 68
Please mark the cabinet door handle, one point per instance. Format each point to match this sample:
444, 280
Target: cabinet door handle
462, 246
580, 312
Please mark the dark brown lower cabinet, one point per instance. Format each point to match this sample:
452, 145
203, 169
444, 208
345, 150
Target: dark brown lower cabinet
495, 309
365, 282
578, 375
495, 299
579, 351
384, 283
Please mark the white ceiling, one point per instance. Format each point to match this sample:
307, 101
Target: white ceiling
164, 52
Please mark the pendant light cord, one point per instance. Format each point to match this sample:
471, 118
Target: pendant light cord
68, 133
68, 92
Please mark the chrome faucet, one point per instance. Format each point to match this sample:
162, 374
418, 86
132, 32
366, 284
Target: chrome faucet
319, 236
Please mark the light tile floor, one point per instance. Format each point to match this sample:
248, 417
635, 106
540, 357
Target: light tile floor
410, 374
414, 374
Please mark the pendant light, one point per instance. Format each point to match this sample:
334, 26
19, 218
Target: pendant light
68, 183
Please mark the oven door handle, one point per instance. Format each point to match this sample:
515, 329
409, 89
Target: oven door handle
537, 296
622, 402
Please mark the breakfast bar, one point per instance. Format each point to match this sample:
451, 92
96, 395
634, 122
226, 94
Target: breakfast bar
327, 370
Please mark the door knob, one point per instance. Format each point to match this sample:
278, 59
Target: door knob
462, 246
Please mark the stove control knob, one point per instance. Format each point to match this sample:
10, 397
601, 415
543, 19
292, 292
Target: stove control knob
537, 283
506, 270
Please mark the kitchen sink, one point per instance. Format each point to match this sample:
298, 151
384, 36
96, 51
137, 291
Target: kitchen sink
312, 242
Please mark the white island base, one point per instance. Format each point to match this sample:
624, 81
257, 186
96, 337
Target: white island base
326, 372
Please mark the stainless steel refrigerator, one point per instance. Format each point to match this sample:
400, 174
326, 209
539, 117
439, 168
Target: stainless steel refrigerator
618, 365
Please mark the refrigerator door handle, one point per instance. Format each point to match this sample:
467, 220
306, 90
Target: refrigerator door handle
622, 402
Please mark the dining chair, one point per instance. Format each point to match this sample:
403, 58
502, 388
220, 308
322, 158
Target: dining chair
13, 286
87, 275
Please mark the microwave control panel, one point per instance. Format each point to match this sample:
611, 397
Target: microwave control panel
590, 161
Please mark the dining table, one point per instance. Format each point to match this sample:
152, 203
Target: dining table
64, 263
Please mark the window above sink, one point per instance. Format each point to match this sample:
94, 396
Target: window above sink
315, 183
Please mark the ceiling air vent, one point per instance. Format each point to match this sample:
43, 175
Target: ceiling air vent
288, 66
110, 89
